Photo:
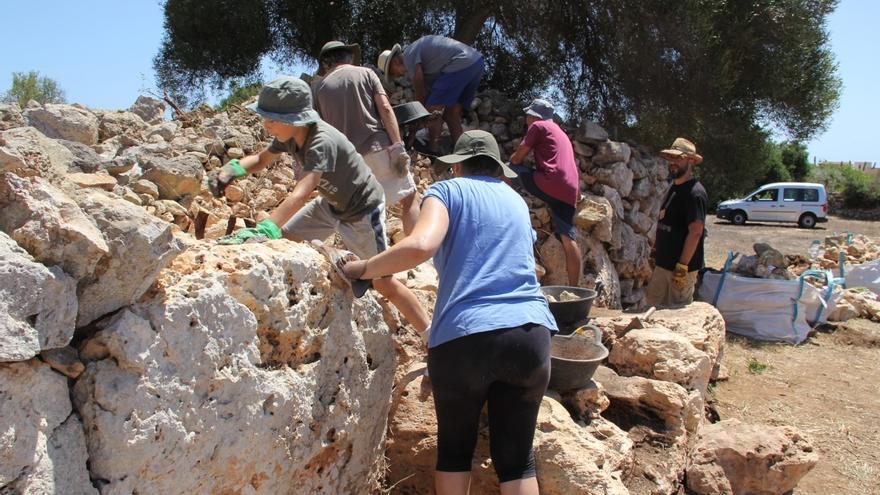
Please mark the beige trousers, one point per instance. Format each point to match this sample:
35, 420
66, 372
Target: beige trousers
661, 291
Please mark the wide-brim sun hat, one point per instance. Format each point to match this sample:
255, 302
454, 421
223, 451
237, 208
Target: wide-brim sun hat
385, 58
683, 147
334, 45
287, 100
541, 109
477, 143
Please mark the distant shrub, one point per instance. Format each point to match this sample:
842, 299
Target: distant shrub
239, 95
857, 188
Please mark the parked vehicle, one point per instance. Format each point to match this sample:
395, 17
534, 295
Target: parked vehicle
801, 202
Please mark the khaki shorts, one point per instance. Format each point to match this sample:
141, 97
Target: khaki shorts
364, 237
661, 291
396, 187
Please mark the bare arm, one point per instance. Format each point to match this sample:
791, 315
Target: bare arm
695, 232
520, 154
389, 120
296, 199
255, 163
419, 246
419, 84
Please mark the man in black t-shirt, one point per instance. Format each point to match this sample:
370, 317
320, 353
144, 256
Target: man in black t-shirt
680, 230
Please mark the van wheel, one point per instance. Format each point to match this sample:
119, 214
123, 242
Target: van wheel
738, 217
807, 221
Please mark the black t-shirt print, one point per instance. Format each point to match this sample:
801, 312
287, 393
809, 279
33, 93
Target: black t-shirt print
683, 204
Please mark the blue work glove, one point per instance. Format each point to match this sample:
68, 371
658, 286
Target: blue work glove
219, 179
264, 231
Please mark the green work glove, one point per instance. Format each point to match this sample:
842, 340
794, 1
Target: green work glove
219, 179
264, 231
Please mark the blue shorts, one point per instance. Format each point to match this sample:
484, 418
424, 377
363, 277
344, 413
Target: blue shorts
457, 87
561, 213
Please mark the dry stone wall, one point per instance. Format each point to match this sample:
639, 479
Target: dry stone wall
622, 186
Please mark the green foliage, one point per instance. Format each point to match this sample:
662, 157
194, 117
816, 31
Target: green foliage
777, 171
857, 188
756, 367
715, 71
240, 94
30, 86
796, 159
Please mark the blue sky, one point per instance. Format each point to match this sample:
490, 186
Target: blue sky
101, 53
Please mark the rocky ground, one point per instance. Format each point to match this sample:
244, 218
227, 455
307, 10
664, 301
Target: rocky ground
827, 386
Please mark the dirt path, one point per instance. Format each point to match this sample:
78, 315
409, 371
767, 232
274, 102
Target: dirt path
827, 387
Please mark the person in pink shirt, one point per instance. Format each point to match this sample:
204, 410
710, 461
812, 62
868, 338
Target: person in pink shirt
554, 179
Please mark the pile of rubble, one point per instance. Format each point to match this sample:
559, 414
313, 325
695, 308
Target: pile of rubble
856, 249
767, 262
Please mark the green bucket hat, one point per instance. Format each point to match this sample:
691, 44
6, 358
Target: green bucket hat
477, 143
288, 100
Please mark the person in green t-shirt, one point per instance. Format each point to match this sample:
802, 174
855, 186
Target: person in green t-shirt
351, 201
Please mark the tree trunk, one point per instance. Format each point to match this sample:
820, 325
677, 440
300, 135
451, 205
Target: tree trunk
469, 21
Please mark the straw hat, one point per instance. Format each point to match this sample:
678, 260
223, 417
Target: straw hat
683, 147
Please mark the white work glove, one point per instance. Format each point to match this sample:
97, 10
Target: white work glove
399, 158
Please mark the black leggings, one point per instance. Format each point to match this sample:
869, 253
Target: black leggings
510, 369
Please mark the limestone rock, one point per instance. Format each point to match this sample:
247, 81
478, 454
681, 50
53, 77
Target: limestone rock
120, 122
614, 200
611, 152
61, 121
658, 353
700, 323
143, 186
572, 459
640, 222
26, 151
166, 130
42, 448
591, 133
582, 149
175, 178
586, 403
49, 225
618, 176
95, 181
10, 116
140, 245
37, 304
64, 360
640, 171
150, 110
595, 212
569, 457
84, 157
247, 373
733, 458
635, 396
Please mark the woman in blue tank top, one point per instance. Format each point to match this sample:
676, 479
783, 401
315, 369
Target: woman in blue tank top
490, 336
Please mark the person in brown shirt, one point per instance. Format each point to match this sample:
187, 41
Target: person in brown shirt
352, 99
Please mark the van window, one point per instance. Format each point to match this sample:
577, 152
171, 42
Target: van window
766, 195
800, 194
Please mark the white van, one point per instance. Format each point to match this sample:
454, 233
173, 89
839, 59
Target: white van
801, 202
